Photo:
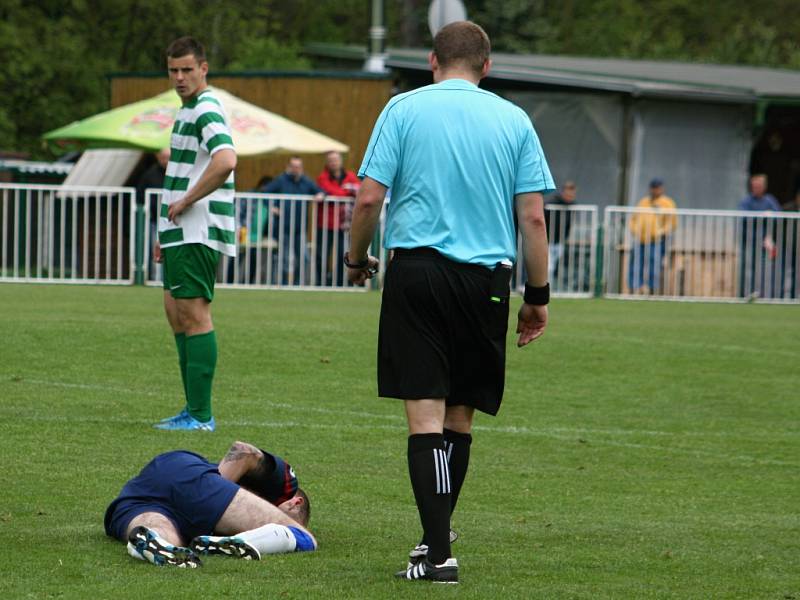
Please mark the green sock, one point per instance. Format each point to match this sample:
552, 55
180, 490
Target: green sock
201, 360
180, 342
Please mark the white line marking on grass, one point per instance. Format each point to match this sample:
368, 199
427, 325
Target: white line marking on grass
326, 411
558, 433
605, 442
656, 433
266, 403
87, 386
629, 339
388, 427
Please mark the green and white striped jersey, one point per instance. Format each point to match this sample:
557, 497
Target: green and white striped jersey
200, 130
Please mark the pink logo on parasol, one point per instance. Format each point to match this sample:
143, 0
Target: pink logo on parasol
157, 119
245, 124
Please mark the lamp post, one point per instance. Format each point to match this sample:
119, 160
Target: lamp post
376, 49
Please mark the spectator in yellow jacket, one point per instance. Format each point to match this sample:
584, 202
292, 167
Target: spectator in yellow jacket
650, 228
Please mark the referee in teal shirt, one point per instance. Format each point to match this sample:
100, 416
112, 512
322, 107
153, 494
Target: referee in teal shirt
460, 162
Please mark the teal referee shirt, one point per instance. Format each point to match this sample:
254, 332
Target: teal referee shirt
454, 156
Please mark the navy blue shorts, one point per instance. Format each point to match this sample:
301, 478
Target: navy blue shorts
182, 486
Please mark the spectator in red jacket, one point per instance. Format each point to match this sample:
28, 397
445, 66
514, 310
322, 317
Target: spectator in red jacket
333, 219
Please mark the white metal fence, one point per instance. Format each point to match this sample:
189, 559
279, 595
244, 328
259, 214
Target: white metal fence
572, 261
95, 235
701, 255
66, 234
284, 241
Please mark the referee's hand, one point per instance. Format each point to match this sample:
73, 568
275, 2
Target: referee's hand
360, 276
531, 321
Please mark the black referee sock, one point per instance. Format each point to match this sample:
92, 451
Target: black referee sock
456, 447
430, 480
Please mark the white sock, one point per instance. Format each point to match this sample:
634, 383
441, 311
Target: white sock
270, 539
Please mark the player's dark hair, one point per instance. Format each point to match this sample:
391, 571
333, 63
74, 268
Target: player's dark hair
462, 42
185, 46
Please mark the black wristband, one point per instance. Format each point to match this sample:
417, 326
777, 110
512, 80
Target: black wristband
359, 265
537, 295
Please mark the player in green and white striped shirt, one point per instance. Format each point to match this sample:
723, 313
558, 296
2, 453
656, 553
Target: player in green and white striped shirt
196, 225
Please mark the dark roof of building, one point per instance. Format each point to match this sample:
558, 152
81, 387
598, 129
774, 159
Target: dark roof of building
668, 79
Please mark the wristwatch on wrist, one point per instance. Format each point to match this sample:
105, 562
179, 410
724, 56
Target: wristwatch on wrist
362, 264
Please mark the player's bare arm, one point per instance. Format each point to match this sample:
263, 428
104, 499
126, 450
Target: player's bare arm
221, 165
240, 458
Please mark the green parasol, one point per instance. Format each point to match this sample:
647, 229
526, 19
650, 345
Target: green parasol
147, 125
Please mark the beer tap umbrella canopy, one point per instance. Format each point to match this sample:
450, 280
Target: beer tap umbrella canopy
147, 125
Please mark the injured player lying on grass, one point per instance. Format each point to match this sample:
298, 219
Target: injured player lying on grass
182, 506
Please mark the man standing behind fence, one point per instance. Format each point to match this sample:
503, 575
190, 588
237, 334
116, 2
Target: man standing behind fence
651, 228
338, 182
152, 178
291, 221
559, 223
758, 275
196, 225
457, 177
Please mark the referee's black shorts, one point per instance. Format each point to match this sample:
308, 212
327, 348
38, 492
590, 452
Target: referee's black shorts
440, 334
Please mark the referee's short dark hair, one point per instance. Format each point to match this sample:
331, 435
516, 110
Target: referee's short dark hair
184, 46
462, 42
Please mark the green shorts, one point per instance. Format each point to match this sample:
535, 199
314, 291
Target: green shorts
190, 271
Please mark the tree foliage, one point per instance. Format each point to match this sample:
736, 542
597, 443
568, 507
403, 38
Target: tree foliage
56, 53
714, 31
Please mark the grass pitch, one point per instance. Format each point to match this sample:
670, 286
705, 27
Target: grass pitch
644, 450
